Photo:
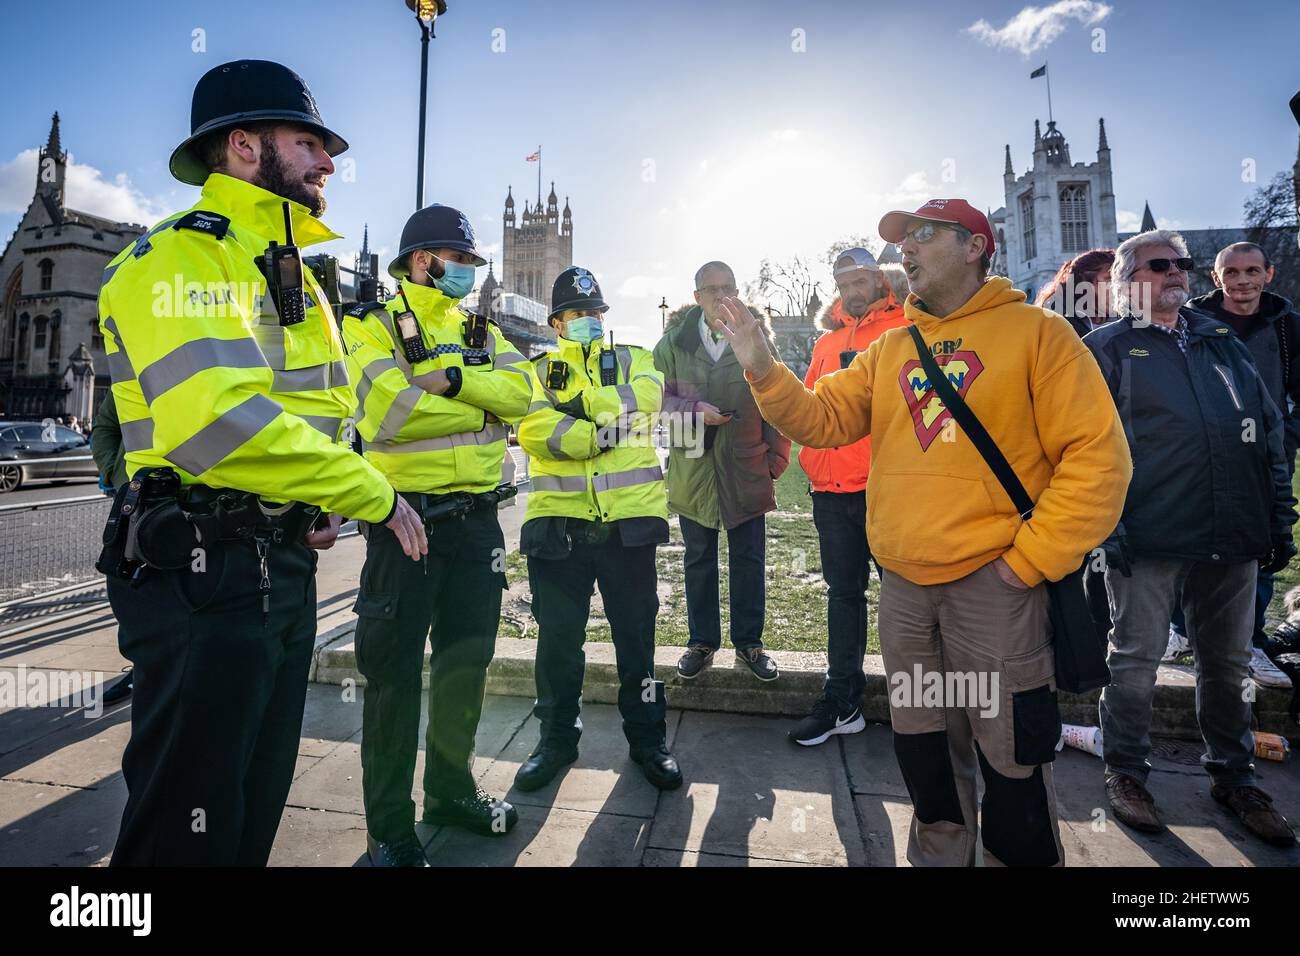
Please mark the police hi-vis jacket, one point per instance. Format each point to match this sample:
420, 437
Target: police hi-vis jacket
571, 476
205, 378
430, 443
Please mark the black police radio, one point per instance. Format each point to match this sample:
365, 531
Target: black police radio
609, 364
408, 330
282, 267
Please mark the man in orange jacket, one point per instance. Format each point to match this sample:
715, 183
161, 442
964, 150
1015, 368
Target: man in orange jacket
865, 309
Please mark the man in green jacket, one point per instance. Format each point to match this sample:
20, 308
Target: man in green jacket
727, 482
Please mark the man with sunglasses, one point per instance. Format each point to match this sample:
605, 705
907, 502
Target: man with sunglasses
1210, 507
963, 593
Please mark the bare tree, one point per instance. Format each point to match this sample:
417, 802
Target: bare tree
1270, 217
786, 286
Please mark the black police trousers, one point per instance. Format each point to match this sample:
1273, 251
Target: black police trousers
562, 591
216, 711
452, 600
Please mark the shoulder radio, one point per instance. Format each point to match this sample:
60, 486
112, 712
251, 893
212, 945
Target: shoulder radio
408, 330
282, 267
608, 364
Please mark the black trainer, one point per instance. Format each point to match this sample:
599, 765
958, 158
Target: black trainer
478, 812
696, 658
756, 659
825, 721
404, 852
542, 765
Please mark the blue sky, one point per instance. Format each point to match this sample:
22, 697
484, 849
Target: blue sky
680, 131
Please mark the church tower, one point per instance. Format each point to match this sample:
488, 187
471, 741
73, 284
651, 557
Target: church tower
51, 172
537, 247
1057, 209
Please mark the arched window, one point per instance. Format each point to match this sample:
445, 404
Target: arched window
56, 339
38, 339
1074, 217
1028, 232
46, 267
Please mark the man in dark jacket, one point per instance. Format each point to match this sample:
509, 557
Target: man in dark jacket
1210, 497
1270, 328
726, 482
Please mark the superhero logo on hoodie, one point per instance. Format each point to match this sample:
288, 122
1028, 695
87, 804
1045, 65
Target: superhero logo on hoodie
928, 413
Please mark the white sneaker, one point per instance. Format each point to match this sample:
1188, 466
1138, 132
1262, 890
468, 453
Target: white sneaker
1177, 647
1265, 672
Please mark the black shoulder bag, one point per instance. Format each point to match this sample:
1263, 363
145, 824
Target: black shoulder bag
1080, 656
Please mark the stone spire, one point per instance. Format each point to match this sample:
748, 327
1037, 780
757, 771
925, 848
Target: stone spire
1038, 137
1148, 220
1007, 170
1101, 140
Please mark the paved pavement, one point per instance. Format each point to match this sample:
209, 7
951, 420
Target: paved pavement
750, 797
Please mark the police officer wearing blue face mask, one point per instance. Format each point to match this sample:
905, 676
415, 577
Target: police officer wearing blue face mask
596, 512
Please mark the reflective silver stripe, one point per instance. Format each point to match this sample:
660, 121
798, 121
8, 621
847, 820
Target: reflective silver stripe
538, 406
137, 435
119, 363
485, 436
506, 358
369, 375
558, 483
403, 404
119, 367
628, 396
625, 361
553, 440
622, 479
270, 338
217, 440
324, 424
198, 355
314, 379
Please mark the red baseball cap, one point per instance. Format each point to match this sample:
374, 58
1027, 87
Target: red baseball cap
958, 211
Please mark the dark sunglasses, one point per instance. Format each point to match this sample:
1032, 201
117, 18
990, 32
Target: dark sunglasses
1163, 265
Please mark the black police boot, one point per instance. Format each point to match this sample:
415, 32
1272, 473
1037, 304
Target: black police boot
543, 764
404, 852
118, 691
477, 811
660, 767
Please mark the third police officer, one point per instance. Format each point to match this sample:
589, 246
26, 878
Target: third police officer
436, 386
596, 511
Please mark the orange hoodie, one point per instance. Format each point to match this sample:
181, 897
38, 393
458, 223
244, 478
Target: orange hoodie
845, 469
935, 513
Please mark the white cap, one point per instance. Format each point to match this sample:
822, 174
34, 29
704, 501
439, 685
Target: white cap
850, 260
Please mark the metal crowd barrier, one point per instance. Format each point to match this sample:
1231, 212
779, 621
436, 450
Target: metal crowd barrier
49, 545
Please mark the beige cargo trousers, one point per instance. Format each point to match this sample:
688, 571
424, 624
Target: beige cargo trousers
972, 686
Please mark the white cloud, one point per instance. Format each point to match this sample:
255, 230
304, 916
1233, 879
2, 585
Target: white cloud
1126, 220
635, 287
87, 189
1036, 27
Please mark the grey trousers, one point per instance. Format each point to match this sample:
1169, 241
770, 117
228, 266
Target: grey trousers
1219, 605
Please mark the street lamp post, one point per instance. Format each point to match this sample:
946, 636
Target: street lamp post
426, 12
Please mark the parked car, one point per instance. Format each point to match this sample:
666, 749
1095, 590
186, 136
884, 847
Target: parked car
62, 453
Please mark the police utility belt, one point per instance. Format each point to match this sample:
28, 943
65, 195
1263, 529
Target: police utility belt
157, 523
436, 509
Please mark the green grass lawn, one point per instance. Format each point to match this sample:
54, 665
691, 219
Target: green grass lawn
796, 594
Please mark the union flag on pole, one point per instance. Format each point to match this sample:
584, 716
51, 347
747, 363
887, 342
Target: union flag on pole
536, 157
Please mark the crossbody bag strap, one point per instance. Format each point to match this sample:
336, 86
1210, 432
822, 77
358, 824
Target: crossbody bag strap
974, 430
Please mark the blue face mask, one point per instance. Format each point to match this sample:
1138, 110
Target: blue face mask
457, 279
585, 329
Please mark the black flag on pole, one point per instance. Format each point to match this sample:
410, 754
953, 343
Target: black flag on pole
1041, 71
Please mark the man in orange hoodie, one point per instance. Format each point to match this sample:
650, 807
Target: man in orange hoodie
864, 310
964, 626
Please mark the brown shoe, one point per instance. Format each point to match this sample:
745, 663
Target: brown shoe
1132, 802
1254, 808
